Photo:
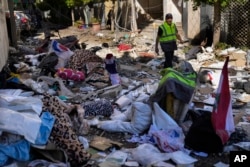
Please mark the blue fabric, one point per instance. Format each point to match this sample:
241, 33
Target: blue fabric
48, 121
3, 159
18, 151
14, 79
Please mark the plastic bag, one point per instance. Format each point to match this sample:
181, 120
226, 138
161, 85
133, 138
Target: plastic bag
162, 120
169, 140
149, 155
36, 130
25, 124
166, 132
20, 103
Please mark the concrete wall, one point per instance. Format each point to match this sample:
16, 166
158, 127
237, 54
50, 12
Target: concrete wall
174, 7
193, 20
4, 43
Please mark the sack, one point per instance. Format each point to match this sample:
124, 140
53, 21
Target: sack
202, 137
140, 120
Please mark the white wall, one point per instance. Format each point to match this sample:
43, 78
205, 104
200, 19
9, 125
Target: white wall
170, 7
4, 43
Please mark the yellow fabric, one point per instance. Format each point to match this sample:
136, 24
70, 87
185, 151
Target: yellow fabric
170, 104
14, 75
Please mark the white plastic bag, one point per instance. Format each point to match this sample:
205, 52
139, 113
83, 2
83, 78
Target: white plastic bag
148, 155
166, 132
161, 119
21, 103
62, 52
26, 124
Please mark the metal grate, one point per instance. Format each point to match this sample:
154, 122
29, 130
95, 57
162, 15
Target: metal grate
235, 24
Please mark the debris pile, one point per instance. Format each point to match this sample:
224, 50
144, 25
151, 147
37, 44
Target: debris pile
112, 104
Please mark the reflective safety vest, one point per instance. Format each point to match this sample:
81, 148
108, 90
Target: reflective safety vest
168, 33
187, 80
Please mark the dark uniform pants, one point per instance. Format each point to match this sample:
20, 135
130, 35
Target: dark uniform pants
169, 55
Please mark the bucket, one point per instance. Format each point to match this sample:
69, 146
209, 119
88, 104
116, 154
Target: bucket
96, 27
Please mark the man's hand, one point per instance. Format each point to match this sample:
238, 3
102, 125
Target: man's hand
179, 37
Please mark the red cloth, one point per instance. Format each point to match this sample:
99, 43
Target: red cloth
69, 74
124, 47
222, 115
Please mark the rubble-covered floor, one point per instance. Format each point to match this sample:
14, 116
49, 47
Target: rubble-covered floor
130, 62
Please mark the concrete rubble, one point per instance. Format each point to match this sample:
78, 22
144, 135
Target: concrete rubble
122, 138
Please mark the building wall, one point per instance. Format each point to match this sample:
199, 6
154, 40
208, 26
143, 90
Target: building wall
154, 8
188, 21
4, 44
193, 21
174, 7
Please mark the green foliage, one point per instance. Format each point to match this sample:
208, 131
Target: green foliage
72, 3
95, 20
223, 3
78, 23
222, 46
244, 48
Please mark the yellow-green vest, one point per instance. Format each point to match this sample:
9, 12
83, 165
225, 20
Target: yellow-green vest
188, 80
168, 33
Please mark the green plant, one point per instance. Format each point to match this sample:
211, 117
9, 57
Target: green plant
221, 46
95, 20
244, 48
78, 23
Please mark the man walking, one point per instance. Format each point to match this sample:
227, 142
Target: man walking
167, 36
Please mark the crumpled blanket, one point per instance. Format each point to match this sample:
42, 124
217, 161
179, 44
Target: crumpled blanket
62, 134
91, 65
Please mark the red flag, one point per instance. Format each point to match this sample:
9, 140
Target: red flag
222, 115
